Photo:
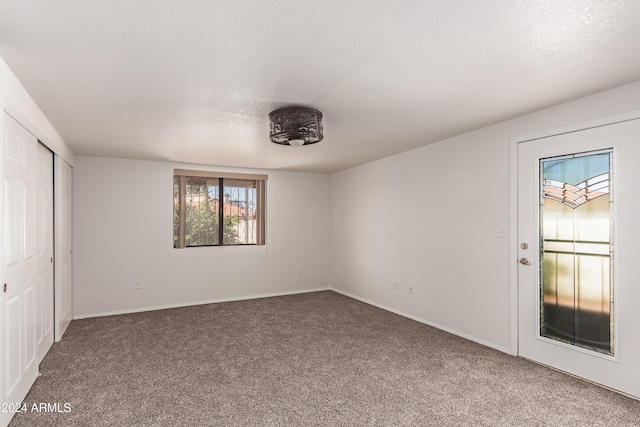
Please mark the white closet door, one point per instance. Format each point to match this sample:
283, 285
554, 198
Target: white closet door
18, 295
63, 182
44, 250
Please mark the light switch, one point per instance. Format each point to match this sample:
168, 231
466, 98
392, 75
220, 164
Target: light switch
502, 232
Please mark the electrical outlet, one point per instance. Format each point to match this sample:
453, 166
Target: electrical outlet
395, 285
410, 288
138, 284
300, 271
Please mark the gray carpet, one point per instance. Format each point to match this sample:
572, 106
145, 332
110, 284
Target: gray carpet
314, 359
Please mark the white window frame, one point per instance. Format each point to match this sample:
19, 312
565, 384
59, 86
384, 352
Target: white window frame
183, 174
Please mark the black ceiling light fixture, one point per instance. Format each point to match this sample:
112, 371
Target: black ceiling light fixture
295, 126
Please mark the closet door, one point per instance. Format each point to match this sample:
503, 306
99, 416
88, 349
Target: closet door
18, 295
63, 183
44, 250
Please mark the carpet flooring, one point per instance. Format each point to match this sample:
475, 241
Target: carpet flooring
317, 359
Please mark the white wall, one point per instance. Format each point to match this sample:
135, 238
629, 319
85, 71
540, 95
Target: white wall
16, 101
123, 231
429, 217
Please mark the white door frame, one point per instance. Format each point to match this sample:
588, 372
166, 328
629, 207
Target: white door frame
513, 202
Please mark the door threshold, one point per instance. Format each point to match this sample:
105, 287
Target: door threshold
583, 379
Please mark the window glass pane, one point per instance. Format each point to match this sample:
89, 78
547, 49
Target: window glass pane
213, 209
576, 251
240, 209
201, 206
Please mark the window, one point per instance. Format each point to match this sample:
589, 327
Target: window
217, 209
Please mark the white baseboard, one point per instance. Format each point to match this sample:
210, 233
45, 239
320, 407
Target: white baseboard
426, 322
188, 304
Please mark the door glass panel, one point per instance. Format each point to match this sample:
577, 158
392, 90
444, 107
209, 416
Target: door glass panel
576, 251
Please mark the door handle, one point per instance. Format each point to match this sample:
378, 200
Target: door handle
524, 261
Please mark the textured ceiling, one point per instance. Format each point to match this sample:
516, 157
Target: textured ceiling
194, 80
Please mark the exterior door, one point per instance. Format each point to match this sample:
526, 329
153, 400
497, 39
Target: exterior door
578, 224
18, 296
44, 250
